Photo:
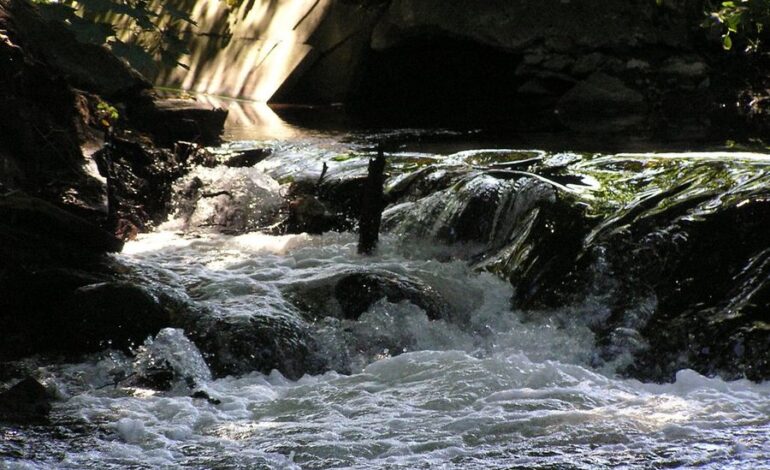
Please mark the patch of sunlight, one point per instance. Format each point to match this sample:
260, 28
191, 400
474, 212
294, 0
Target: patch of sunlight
156, 241
275, 244
247, 50
655, 412
240, 431
700, 155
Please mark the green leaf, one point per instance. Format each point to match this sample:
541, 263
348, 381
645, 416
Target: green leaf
727, 43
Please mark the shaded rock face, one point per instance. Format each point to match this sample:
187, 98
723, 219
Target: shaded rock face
45, 254
40, 123
59, 292
84, 66
602, 103
34, 230
440, 80
673, 250
139, 184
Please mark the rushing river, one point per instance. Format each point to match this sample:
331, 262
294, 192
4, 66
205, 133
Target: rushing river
492, 391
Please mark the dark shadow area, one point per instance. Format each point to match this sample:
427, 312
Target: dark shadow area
437, 81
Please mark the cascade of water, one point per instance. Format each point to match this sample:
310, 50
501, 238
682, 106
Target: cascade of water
414, 357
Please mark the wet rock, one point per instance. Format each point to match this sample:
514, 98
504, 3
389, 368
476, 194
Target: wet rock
463, 212
112, 314
712, 293
235, 345
27, 402
229, 200
602, 103
194, 154
171, 120
684, 267
536, 241
309, 215
674, 249
356, 292
330, 204
348, 295
202, 395
424, 182
168, 361
248, 158
139, 184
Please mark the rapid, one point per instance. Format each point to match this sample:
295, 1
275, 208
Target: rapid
485, 386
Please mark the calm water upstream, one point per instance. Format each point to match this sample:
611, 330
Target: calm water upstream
494, 391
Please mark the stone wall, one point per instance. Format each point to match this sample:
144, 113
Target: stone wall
584, 66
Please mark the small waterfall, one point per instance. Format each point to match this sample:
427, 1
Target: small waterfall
512, 293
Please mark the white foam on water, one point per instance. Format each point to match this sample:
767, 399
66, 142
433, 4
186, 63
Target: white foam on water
488, 391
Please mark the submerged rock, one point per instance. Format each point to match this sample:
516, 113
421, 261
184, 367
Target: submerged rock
169, 360
349, 294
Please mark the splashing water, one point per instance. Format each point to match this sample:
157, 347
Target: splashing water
481, 388
519, 395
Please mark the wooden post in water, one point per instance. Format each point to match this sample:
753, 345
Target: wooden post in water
372, 205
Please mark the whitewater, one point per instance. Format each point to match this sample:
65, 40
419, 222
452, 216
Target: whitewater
485, 388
